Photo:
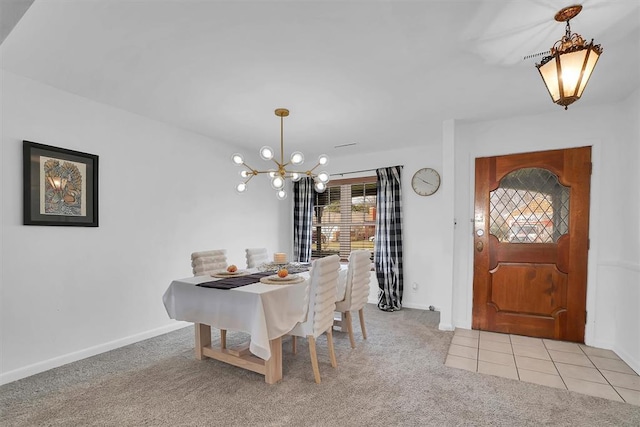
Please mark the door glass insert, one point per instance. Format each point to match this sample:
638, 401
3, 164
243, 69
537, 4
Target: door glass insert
529, 206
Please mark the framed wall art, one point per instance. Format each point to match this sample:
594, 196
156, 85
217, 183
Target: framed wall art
60, 186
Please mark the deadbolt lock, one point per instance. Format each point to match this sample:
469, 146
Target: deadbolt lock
479, 246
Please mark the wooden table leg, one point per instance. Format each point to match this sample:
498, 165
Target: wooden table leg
223, 338
273, 366
203, 338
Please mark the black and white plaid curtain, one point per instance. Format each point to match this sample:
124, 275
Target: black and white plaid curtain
302, 219
388, 243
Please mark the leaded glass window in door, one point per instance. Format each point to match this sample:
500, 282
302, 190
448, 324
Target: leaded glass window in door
529, 206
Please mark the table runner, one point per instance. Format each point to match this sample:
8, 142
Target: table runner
234, 282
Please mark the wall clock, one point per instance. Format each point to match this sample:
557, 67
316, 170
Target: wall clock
425, 181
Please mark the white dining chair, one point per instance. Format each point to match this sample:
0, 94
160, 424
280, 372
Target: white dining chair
322, 303
207, 262
356, 291
256, 257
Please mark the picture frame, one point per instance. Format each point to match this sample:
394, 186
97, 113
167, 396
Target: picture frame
60, 186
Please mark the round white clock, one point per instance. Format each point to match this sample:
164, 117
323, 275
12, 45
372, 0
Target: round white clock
425, 181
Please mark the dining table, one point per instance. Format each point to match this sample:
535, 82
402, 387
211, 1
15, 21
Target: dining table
266, 311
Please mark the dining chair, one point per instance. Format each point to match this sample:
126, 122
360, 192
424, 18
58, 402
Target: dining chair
204, 263
356, 291
322, 303
207, 262
256, 257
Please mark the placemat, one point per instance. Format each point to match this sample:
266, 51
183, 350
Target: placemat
224, 274
275, 280
234, 282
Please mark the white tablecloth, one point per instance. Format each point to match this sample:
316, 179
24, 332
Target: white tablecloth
264, 311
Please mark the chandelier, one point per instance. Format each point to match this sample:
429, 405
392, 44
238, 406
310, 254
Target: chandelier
567, 70
281, 172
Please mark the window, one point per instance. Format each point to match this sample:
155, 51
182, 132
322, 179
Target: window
344, 217
530, 206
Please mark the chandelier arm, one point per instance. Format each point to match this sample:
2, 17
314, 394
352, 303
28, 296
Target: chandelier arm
250, 169
250, 177
313, 168
300, 172
280, 165
256, 172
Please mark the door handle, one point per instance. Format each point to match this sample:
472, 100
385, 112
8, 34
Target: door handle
479, 246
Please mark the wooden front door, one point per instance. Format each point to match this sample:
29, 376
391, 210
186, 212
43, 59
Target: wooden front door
531, 241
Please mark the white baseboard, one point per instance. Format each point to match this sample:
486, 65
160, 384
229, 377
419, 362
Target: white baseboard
409, 305
629, 360
608, 345
36, 368
416, 306
446, 327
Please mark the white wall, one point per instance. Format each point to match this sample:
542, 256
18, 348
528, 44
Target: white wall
618, 269
426, 226
71, 292
68, 293
614, 261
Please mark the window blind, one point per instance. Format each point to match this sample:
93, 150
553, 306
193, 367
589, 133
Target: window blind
344, 217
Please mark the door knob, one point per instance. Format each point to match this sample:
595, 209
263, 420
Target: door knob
479, 246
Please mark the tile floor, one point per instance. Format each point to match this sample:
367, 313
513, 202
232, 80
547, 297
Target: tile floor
560, 364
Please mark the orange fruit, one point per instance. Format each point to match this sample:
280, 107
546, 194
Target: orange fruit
283, 273
232, 268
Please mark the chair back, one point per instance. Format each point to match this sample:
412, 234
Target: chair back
358, 276
322, 297
207, 262
256, 257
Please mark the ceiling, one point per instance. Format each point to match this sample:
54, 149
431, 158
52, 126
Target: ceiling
377, 73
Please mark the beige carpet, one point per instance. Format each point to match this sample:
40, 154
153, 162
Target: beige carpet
397, 377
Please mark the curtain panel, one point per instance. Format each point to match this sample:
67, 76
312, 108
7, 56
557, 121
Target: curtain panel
388, 242
302, 219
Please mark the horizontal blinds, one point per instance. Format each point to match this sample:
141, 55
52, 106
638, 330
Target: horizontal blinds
344, 217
